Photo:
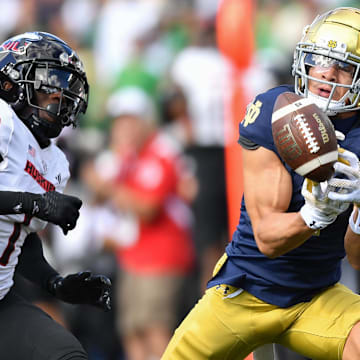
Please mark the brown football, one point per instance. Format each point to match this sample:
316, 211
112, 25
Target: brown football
304, 136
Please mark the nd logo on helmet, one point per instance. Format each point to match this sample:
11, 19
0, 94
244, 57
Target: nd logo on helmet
332, 44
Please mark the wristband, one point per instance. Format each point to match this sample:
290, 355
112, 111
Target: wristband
355, 225
315, 219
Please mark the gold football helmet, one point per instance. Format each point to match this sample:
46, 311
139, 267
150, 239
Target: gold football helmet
332, 38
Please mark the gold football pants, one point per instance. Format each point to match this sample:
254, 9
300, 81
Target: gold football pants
228, 323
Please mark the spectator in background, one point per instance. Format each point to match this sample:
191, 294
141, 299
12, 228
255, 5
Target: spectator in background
201, 73
175, 120
144, 189
120, 24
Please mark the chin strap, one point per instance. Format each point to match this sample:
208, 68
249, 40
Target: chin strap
321, 102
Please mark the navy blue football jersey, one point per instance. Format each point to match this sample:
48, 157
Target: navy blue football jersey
301, 273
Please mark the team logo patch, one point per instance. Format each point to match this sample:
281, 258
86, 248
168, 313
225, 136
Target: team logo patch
45, 167
58, 178
252, 112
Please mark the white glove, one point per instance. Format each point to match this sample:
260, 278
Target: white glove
319, 211
344, 186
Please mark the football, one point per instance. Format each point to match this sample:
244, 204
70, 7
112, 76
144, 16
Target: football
304, 137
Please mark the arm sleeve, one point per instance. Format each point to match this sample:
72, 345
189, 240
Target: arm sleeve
32, 264
13, 202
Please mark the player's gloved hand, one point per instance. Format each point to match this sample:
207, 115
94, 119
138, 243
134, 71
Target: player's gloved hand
54, 207
319, 211
82, 288
344, 186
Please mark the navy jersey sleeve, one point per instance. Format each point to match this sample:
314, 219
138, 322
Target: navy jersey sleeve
255, 128
351, 142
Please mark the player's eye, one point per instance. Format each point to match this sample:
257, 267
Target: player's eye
346, 67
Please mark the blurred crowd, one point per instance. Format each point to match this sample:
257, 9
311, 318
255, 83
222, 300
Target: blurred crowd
148, 157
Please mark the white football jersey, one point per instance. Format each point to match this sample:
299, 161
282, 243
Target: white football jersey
24, 167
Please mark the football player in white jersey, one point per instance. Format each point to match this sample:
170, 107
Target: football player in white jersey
43, 88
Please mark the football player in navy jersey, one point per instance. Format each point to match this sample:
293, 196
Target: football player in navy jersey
278, 281
43, 88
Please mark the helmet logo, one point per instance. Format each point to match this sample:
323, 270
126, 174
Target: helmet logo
14, 46
332, 44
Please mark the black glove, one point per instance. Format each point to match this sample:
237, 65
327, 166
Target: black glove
54, 207
82, 288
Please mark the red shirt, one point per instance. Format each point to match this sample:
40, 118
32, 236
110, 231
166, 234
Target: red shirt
164, 245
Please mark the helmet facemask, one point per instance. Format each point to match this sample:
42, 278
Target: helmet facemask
323, 58
47, 78
329, 41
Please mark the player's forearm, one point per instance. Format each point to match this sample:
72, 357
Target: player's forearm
278, 233
32, 264
352, 248
352, 244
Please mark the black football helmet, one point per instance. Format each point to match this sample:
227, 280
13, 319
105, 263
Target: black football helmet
41, 62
